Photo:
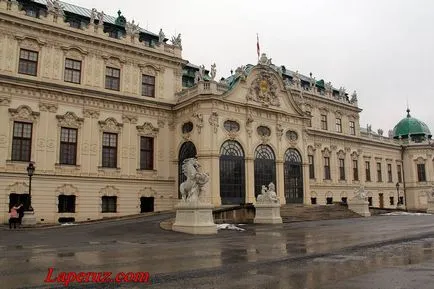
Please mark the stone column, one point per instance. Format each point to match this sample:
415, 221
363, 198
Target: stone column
280, 180
250, 180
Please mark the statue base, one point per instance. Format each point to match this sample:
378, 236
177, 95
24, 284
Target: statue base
267, 213
194, 218
430, 209
28, 219
360, 207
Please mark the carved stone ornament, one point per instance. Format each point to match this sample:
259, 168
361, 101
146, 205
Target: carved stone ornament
50, 107
90, 113
5, 101
199, 121
23, 112
263, 90
214, 120
67, 189
326, 152
69, 119
109, 191
110, 125
279, 131
341, 154
354, 155
129, 118
147, 129
249, 122
291, 135
147, 192
310, 150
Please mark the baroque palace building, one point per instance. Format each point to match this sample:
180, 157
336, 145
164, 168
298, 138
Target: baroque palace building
108, 111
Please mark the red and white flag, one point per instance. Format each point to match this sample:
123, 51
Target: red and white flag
257, 44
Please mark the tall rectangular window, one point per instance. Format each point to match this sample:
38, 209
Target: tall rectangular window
112, 78
323, 121
109, 204
389, 173
352, 128
68, 146
146, 153
311, 167
342, 169
148, 85
355, 170
28, 63
327, 175
109, 150
368, 171
379, 174
72, 70
338, 125
22, 141
421, 176
398, 171
66, 204
309, 121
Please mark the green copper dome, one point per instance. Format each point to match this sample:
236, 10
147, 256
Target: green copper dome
411, 126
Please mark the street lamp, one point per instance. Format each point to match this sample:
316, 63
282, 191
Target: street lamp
397, 191
30, 171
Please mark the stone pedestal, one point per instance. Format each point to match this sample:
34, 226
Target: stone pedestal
29, 219
194, 218
430, 209
267, 213
360, 207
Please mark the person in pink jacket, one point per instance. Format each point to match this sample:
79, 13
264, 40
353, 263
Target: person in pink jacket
14, 216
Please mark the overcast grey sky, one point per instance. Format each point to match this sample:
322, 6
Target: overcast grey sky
382, 49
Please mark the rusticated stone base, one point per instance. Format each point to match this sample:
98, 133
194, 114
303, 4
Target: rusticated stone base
360, 207
268, 213
430, 209
194, 218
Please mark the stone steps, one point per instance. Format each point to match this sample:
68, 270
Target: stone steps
300, 213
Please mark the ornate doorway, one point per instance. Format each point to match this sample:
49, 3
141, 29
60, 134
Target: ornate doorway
232, 174
265, 167
187, 150
293, 177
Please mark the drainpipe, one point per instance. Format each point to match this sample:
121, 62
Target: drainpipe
403, 176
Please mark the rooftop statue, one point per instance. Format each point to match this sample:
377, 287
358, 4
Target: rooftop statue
132, 29
268, 195
390, 133
100, 16
176, 41
380, 131
54, 6
354, 97
199, 75
296, 79
264, 60
192, 188
92, 16
161, 36
369, 128
213, 71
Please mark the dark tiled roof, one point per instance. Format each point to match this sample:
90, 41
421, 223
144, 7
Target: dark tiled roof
87, 12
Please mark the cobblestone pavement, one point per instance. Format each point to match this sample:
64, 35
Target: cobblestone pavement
378, 252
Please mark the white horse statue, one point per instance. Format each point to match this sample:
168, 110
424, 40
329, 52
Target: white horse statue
192, 188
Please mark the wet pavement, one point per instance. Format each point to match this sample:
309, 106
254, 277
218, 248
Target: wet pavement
378, 252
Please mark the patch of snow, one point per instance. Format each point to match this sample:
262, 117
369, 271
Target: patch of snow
229, 227
68, 224
405, 214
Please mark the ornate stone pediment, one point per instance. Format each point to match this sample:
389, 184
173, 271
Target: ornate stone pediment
147, 192
264, 89
110, 125
23, 112
18, 188
69, 119
147, 129
67, 189
109, 191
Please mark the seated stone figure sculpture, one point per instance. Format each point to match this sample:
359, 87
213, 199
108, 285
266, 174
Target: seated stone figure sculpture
268, 195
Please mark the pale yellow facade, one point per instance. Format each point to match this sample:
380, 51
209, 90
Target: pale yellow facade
259, 98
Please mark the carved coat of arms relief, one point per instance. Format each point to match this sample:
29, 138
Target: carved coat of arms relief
263, 90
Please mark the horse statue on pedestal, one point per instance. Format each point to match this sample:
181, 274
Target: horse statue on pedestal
192, 188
